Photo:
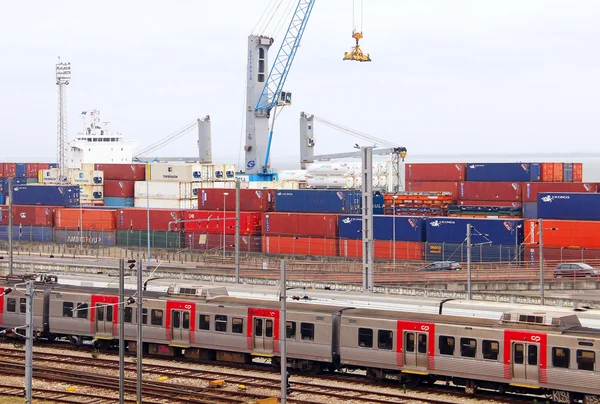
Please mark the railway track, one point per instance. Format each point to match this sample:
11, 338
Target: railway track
179, 388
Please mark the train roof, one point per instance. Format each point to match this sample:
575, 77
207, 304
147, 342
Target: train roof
271, 304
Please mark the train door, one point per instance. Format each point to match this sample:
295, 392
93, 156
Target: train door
525, 359
263, 332
180, 326
415, 349
104, 319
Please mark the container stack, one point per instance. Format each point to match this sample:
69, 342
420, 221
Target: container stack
345, 175
91, 185
119, 182
418, 203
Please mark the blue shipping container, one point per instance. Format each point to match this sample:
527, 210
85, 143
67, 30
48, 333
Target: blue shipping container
28, 234
568, 206
16, 181
454, 230
53, 165
479, 253
118, 202
407, 228
2, 199
48, 195
504, 172
88, 237
21, 170
378, 204
318, 201
530, 210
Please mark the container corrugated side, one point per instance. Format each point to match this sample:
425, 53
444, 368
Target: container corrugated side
119, 188
223, 222
180, 172
164, 190
21, 170
300, 224
313, 246
502, 172
479, 253
214, 242
166, 203
452, 172
384, 249
48, 195
490, 191
318, 201
29, 215
87, 219
532, 190
454, 230
574, 234
407, 228
136, 219
123, 172
569, 206
430, 186
251, 200
118, 202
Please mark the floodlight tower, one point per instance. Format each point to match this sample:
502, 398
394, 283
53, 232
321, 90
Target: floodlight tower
63, 77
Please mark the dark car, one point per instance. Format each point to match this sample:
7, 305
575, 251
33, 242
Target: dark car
441, 266
575, 269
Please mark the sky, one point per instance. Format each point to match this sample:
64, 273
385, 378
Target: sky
448, 77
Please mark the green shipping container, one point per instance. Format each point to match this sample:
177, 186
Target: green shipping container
158, 239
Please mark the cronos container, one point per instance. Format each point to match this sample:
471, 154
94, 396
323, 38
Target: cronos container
569, 206
407, 228
490, 191
215, 222
136, 219
300, 224
89, 219
504, 172
318, 201
251, 200
575, 234
29, 215
128, 172
454, 230
533, 189
48, 195
451, 172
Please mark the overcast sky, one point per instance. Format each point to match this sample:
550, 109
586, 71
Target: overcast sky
447, 77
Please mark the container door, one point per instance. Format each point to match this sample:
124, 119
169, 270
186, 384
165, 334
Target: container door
104, 319
415, 350
180, 326
263, 334
526, 361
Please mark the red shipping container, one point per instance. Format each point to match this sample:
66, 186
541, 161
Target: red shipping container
10, 170
555, 255
532, 189
558, 172
136, 219
31, 170
503, 204
577, 172
300, 246
42, 166
490, 191
384, 249
300, 224
119, 189
1, 170
435, 172
26, 215
251, 200
547, 172
214, 242
564, 233
215, 222
430, 186
131, 172
90, 219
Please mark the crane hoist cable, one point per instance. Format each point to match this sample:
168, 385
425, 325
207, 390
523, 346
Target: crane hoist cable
355, 133
356, 52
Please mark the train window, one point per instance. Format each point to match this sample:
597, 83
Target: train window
204, 321
307, 331
237, 325
68, 309
220, 323
422, 343
447, 345
586, 360
128, 316
156, 317
186, 320
468, 347
82, 310
409, 342
290, 329
22, 305
258, 327
490, 349
365, 337
109, 313
144, 316
385, 339
269, 328
532, 355
518, 354
561, 357
11, 305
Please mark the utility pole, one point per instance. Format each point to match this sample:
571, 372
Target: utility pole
29, 294
63, 78
10, 226
541, 231
237, 230
121, 331
140, 340
367, 217
469, 293
282, 334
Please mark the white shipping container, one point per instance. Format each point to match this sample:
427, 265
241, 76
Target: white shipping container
166, 203
337, 169
230, 172
88, 166
91, 192
49, 176
219, 172
181, 172
163, 190
87, 177
291, 175
327, 182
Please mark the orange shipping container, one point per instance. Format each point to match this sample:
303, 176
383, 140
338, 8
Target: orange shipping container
547, 172
384, 249
558, 172
300, 245
90, 219
577, 172
564, 233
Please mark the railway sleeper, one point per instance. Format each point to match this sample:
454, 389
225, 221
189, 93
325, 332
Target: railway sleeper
303, 366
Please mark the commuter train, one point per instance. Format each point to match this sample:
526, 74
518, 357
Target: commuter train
525, 352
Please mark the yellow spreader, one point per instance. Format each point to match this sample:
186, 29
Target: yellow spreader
356, 53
